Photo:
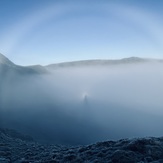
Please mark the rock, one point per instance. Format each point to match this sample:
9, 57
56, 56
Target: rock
141, 150
4, 160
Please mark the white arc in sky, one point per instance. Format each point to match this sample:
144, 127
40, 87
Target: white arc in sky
17, 32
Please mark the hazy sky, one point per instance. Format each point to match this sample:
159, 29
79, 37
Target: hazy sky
49, 31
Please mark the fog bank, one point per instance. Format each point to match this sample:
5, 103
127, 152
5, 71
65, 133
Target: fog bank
84, 104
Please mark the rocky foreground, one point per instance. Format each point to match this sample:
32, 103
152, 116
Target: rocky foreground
18, 148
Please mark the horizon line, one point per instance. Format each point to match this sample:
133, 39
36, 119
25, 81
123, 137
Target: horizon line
87, 60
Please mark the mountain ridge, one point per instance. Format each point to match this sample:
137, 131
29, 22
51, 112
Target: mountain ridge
99, 62
6, 65
5, 61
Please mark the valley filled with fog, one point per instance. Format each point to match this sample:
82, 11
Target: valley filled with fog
83, 102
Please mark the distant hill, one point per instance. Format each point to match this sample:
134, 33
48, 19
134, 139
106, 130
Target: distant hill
98, 62
6, 66
5, 63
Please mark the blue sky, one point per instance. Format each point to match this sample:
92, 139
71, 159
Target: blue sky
51, 31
